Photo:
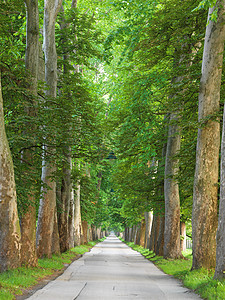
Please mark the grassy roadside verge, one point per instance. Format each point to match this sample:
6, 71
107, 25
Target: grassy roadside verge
14, 282
200, 281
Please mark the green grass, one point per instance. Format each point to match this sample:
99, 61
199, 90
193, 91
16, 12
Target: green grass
201, 281
13, 282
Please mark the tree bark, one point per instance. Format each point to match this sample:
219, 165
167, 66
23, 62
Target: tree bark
148, 222
85, 231
55, 235
28, 237
46, 214
77, 217
220, 250
126, 235
205, 196
90, 236
99, 230
159, 248
183, 236
10, 239
137, 234
154, 232
64, 209
71, 216
142, 233
28, 219
171, 192
220, 238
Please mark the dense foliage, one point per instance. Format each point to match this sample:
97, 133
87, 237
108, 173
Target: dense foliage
128, 72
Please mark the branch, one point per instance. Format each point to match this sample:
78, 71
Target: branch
23, 160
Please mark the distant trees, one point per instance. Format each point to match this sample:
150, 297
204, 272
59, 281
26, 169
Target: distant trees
168, 38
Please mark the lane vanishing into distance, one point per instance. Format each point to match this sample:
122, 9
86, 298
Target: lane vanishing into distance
112, 270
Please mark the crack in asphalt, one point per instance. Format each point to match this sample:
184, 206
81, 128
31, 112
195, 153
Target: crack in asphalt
80, 291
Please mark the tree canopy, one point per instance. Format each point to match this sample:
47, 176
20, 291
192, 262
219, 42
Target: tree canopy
119, 85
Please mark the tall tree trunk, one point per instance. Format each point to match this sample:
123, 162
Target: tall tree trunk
205, 196
220, 237
220, 250
10, 243
67, 205
99, 230
183, 236
137, 234
47, 209
134, 233
129, 234
77, 216
90, 236
28, 219
71, 216
65, 199
142, 232
154, 231
171, 192
85, 231
148, 223
126, 237
46, 214
55, 235
159, 248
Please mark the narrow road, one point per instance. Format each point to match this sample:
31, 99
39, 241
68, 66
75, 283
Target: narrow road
111, 270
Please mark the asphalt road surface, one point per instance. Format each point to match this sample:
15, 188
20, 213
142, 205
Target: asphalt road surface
111, 270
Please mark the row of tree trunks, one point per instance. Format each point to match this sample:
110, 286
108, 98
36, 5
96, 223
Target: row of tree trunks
154, 239
136, 234
91, 233
55, 233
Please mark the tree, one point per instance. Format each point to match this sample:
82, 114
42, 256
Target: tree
28, 219
220, 250
10, 239
172, 197
47, 211
205, 196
